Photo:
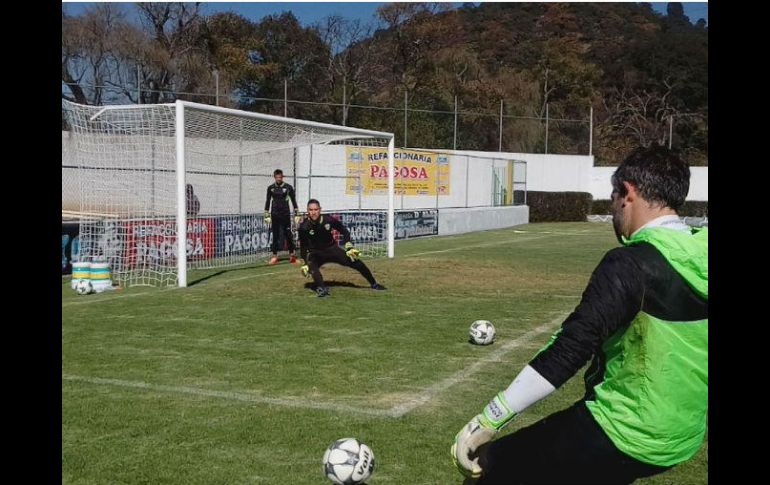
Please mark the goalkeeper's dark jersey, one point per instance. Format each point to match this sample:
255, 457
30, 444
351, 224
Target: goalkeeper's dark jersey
319, 235
281, 195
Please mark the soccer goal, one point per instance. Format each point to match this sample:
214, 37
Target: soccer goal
155, 178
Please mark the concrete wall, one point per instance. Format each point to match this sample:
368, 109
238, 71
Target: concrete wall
459, 221
600, 186
576, 173
550, 173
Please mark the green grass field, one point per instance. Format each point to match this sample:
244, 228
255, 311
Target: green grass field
246, 377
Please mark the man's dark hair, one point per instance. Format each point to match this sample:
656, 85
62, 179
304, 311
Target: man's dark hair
277, 171
659, 174
314, 201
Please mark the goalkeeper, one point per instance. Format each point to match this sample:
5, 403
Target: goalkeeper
318, 247
643, 318
278, 216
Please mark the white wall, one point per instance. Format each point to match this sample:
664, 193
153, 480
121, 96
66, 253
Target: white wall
576, 173
600, 186
550, 173
459, 221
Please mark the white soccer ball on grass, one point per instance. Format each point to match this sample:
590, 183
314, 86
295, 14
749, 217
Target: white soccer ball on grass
482, 332
347, 461
83, 287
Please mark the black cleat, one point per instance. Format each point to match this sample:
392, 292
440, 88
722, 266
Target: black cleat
378, 286
322, 291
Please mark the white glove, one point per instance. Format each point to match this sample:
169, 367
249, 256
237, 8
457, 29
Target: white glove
479, 431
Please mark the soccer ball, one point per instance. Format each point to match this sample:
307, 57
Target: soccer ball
347, 461
83, 287
482, 332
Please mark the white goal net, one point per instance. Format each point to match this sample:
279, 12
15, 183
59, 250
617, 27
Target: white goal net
152, 178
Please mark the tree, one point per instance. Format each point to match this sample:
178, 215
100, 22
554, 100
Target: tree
287, 51
174, 59
675, 12
348, 65
91, 53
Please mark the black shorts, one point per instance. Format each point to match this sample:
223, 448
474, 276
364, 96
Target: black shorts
566, 447
332, 254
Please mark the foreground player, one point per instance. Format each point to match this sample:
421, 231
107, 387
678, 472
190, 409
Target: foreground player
644, 319
318, 247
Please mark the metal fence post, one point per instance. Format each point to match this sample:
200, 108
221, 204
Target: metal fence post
500, 145
216, 85
546, 128
591, 133
406, 108
454, 143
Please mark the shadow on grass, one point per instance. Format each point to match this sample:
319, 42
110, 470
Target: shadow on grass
332, 283
193, 282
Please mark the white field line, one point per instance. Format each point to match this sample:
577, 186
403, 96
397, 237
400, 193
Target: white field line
555, 233
235, 396
397, 411
434, 389
460, 248
128, 295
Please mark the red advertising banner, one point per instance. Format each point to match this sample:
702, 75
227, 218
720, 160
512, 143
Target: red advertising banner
154, 241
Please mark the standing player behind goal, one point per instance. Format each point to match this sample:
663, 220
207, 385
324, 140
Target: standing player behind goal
318, 247
279, 215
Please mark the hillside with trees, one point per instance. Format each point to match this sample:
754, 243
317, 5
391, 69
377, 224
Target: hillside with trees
643, 73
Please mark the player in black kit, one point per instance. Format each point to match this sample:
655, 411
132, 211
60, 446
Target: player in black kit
279, 216
318, 247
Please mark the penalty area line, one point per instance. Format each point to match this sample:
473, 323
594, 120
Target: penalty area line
433, 390
233, 396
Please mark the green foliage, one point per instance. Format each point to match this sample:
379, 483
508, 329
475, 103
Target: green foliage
558, 206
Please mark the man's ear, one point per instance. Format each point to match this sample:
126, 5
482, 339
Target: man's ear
631, 192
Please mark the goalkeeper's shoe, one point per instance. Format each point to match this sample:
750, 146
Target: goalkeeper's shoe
378, 286
322, 291
292, 259
273, 260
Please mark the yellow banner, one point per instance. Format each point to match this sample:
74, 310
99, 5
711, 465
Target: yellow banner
417, 172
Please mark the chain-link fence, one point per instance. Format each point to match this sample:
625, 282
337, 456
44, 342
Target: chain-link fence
457, 129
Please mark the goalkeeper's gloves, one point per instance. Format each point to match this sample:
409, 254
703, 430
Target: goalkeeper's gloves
305, 270
268, 219
479, 431
352, 252
297, 218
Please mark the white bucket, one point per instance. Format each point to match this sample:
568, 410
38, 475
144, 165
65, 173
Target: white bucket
81, 270
101, 278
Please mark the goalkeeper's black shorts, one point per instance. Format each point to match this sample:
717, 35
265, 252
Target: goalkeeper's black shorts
565, 447
332, 254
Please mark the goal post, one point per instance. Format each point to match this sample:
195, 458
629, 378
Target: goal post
182, 185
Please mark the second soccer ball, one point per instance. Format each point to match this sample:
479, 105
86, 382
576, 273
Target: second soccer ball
482, 332
84, 287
